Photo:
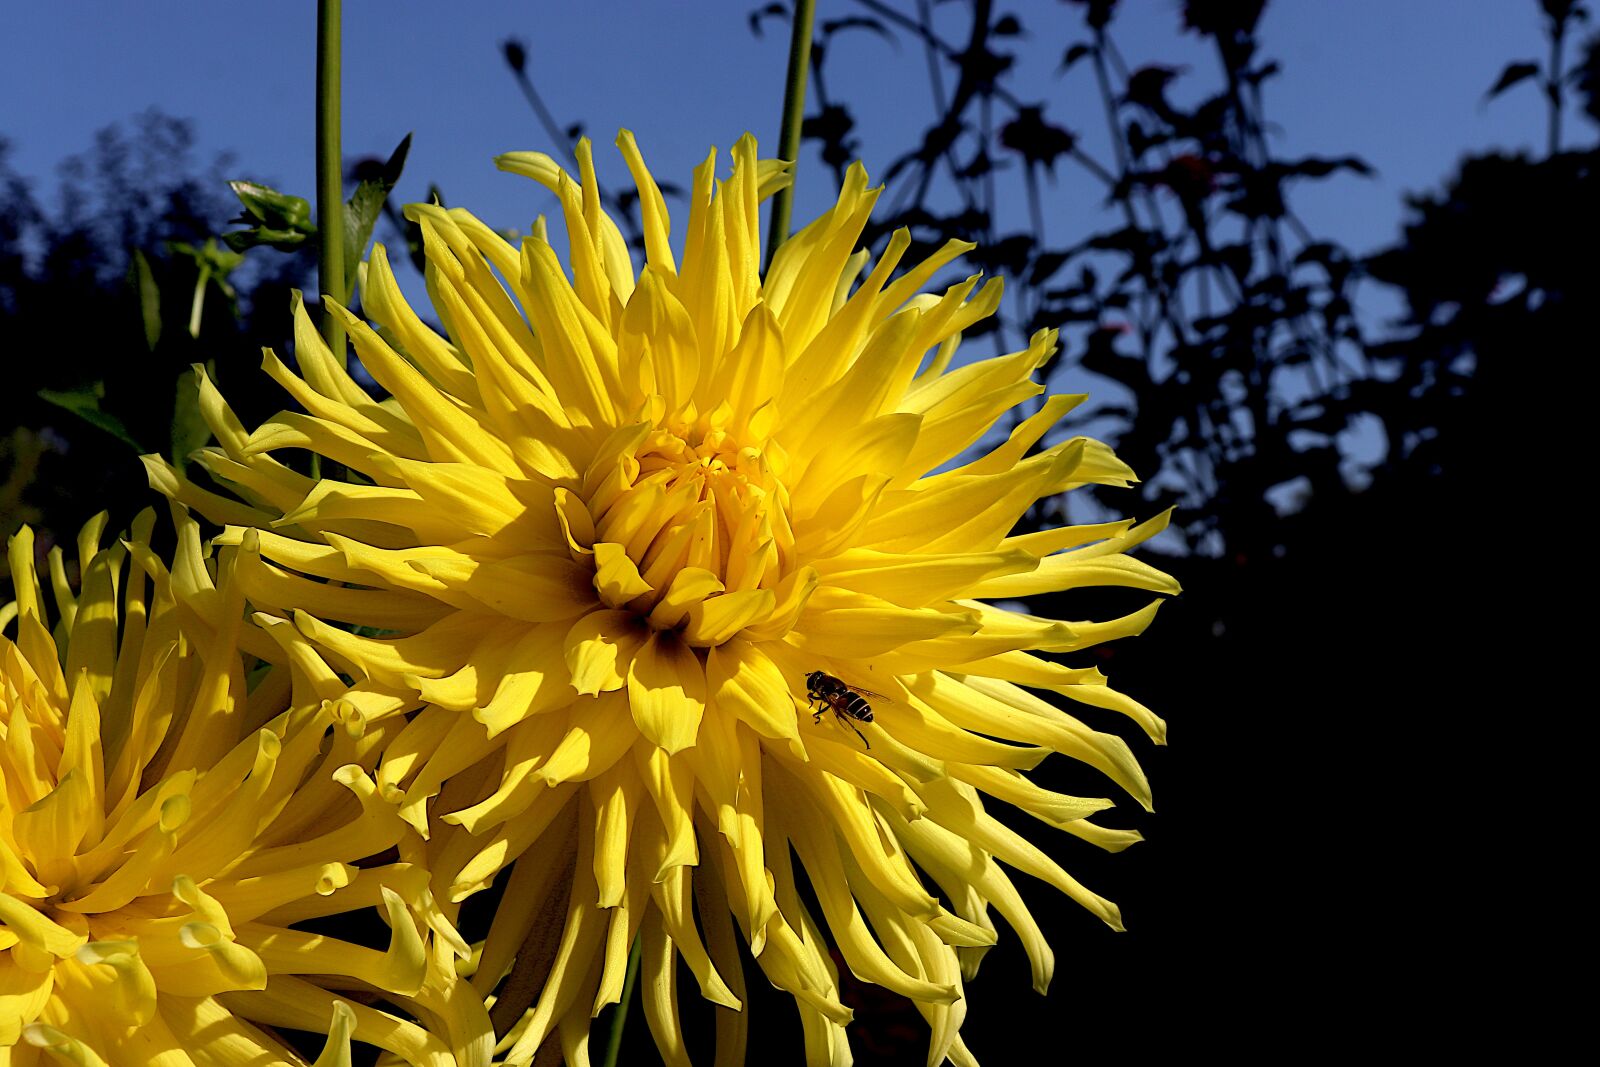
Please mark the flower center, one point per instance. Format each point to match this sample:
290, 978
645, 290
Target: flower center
696, 506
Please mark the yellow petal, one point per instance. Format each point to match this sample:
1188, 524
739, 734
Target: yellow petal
714, 621
658, 973
61, 1046
667, 691
616, 577
671, 786
652, 207
840, 622
915, 581
601, 731
743, 681
600, 647
23, 995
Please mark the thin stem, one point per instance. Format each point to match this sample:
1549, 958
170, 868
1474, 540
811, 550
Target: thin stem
619, 1016
197, 306
1553, 86
794, 106
552, 128
931, 52
330, 176
1030, 176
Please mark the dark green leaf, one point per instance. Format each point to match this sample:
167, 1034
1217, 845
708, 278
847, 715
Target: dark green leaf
209, 256
365, 205
189, 429
282, 240
144, 282
85, 403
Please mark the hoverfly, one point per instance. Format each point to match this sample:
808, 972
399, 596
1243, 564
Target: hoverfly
846, 701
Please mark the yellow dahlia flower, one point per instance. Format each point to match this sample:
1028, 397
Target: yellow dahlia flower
165, 823
613, 522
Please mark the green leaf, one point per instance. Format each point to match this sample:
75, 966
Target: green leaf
276, 210
213, 263
275, 219
366, 204
282, 240
209, 256
144, 283
85, 403
189, 429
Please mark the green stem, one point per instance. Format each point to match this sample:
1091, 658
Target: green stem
330, 175
794, 107
619, 1015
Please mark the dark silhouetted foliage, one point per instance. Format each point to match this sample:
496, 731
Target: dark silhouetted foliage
1323, 718
103, 293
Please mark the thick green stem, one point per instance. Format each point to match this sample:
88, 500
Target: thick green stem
330, 175
619, 1014
794, 107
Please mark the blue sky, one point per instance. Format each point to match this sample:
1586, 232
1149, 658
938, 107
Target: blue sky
1398, 81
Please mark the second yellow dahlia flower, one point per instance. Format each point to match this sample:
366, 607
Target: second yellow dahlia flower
611, 522
169, 825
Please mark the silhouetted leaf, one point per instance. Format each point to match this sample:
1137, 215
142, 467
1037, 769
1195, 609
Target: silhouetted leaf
935, 141
1072, 55
1257, 75
1321, 167
830, 27
979, 165
1222, 18
1238, 258
1037, 141
516, 54
1007, 256
832, 127
144, 284
1097, 12
772, 11
1261, 197
1511, 75
1006, 26
1323, 252
981, 66
1133, 240
1559, 11
1586, 76
85, 403
1141, 140
1045, 265
1147, 86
